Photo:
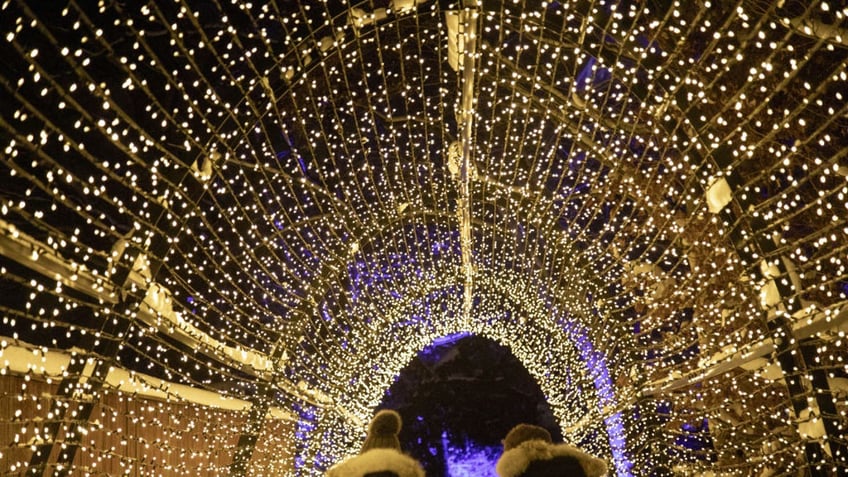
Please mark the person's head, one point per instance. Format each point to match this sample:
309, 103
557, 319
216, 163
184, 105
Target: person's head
525, 432
530, 452
560, 465
383, 431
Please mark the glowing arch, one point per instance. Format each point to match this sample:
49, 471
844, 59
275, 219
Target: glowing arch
574, 346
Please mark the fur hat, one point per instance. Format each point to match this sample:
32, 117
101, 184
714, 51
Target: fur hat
377, 462
383, 431
525, 432
528, 447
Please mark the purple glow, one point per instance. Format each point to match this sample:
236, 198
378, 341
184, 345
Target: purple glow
470, 460
449, 339
585, 73
302, 165
303, 429
596, 363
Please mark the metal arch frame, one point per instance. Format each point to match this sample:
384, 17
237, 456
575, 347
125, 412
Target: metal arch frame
787, 359
101, 352
381, 230
109, 351
692, 116
792, 364
495, 285
106, 353
249, 439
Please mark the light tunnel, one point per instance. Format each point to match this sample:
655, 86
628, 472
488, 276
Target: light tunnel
226, 227
569, 371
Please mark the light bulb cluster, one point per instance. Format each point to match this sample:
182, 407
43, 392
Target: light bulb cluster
221, 199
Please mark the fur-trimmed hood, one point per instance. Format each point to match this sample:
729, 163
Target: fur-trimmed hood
377, 460
515, 461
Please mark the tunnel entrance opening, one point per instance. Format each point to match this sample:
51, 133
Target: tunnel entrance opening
458, 399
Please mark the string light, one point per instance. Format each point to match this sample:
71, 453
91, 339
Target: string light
226, 227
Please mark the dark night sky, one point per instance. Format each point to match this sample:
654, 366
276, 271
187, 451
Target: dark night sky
468, 389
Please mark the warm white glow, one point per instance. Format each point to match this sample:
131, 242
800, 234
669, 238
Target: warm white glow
647, 206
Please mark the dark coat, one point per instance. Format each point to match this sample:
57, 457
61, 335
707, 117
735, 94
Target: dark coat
377, 463
536, 458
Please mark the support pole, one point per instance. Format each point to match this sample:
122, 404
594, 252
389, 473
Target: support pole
467, 42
